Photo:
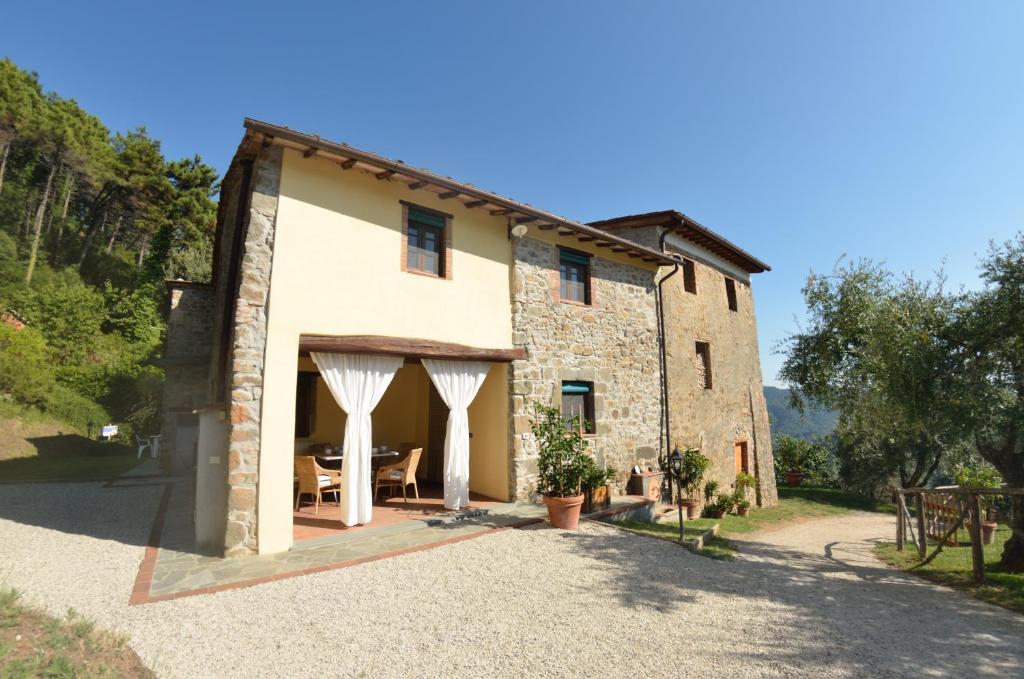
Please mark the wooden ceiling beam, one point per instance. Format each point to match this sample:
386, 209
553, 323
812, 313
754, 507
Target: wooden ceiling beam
386, 174
417, 185
449, 194
565, 232
309, 153
525, 220
586, 239
502, 211
348, 164
604, 244
546, 227
476, 203
619, 248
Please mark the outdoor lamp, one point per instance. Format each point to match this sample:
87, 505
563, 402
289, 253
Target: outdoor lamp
676, 463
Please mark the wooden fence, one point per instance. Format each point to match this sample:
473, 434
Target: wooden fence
940, 514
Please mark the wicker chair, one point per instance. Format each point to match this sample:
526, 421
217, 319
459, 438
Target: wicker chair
315, 480
399, 474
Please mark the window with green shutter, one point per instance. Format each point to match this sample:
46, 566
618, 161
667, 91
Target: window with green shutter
573, 276
426, 241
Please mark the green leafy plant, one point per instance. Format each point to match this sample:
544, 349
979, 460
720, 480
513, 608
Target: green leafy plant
743, 504
977, 475
710, 489
563, 457
722, 505
692, 470
744, 483
594, 476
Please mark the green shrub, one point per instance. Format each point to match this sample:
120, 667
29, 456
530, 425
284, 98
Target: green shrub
814, 458
78, 411
67, 312
563, 456
25, 371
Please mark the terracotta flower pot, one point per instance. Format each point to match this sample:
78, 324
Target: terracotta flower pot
988, 532
793, 478
743, 511
692, 509
564, 512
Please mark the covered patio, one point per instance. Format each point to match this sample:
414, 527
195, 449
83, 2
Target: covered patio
378, 411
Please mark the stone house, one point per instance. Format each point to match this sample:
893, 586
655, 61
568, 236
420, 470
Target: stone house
322, 248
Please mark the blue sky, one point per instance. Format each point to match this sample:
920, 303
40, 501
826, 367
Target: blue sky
802, 131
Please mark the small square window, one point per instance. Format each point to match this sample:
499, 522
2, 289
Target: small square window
573, 276
730, 293
703, 365
578, 401
425, 240
689, 277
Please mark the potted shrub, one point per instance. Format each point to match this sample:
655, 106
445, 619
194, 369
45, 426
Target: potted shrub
744, 484
710, 490
691, 473
597, 490
561, 463
722, 505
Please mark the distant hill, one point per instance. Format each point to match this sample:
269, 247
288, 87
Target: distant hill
785, 420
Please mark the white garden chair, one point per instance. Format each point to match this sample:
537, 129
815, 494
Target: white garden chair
144, 445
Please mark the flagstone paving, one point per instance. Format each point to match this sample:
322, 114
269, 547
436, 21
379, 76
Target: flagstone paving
181, 569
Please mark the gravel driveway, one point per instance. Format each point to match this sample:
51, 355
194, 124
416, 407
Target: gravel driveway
808, 600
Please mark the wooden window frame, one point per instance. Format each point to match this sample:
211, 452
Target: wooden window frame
689, 276
590, 424
588, 286
305, 423
445, 256
730, 294
703, 352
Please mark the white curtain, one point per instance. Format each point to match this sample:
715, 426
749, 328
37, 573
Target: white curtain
457, 382
357, 383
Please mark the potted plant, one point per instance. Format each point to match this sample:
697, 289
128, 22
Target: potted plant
597, 491
743, 507
691, 472
710, 490
721, 506
744, 484
561, 464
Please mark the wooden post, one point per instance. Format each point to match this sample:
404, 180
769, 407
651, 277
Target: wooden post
901, 518
977, 548
922, 536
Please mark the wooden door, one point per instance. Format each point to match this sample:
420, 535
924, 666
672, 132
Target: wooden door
437, 427
741, 457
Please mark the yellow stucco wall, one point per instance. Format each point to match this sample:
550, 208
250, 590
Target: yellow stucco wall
488, 449
336, 271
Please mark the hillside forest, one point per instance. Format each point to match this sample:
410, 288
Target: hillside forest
92, 221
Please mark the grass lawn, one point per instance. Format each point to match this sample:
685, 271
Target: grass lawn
34, 447
33, 644
795, 504
952, 567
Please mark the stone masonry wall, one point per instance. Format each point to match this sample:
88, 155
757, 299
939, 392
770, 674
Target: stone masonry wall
734, 409
186, 360
245, 374
612, 343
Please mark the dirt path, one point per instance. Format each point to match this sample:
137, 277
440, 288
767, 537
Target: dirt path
808, 600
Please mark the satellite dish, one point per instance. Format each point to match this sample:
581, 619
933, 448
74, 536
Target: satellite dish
519, 230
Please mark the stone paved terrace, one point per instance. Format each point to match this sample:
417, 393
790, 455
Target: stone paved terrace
176, 568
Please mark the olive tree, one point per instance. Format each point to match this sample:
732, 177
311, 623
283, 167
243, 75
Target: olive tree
989, 375
877, 350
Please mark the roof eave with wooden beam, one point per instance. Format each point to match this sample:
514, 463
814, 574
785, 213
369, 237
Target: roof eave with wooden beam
449, 189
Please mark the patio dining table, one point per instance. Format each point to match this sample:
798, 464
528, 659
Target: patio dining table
375, 458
